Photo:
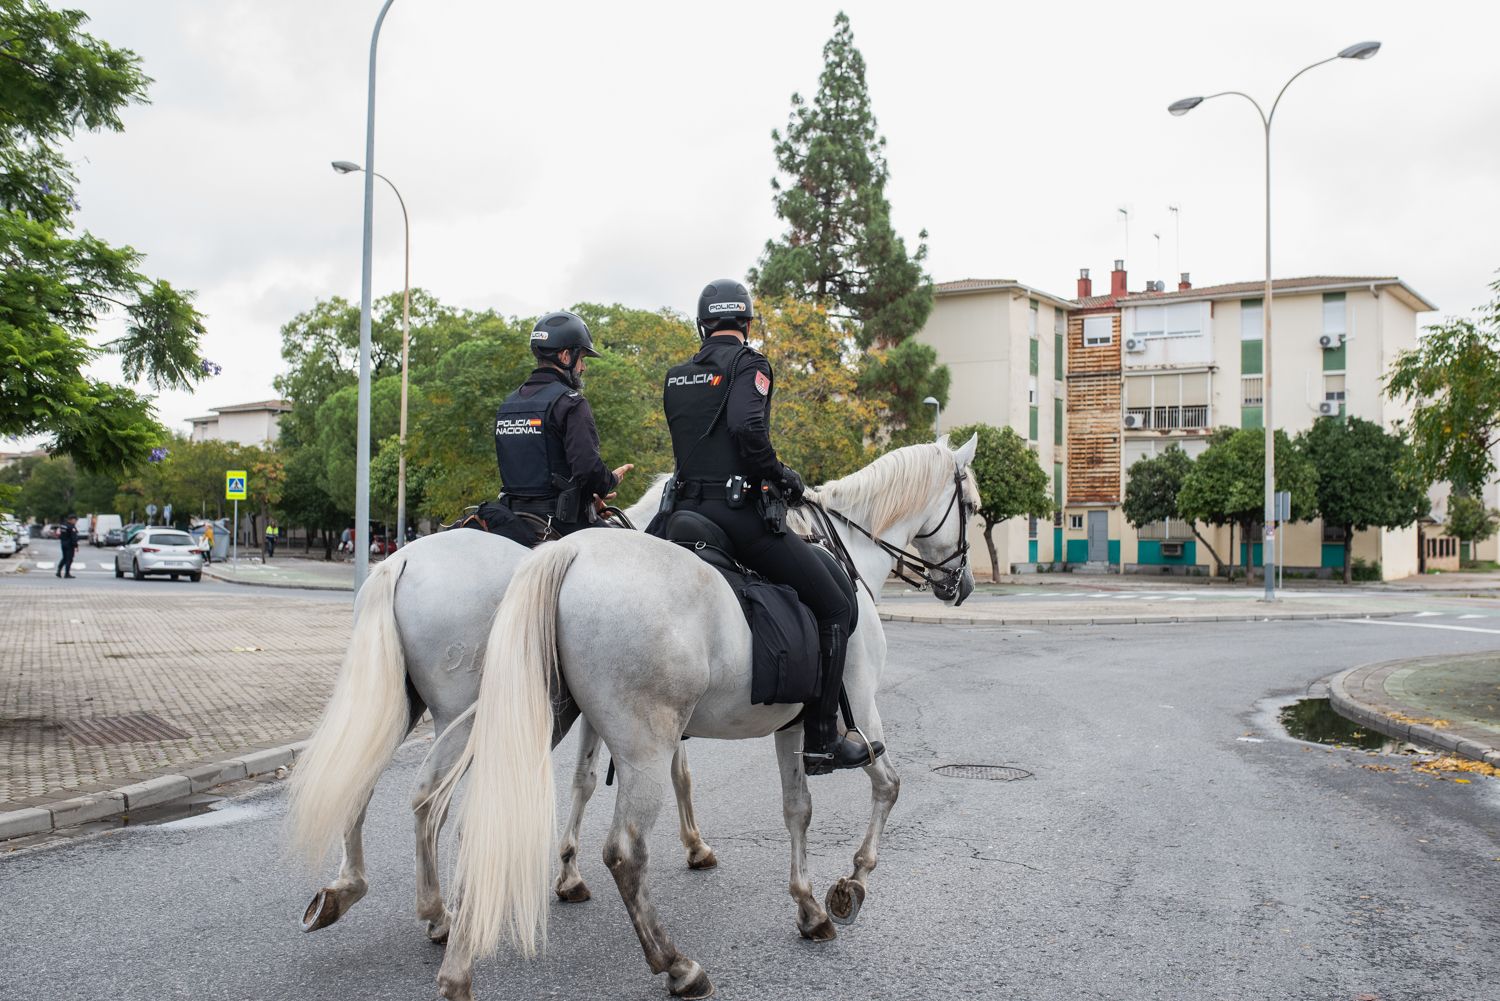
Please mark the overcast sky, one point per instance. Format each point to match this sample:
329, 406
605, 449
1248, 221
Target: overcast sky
551, 153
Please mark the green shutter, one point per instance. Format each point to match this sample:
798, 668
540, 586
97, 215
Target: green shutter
1252, 417
1057, 357
1057, 422
1250, 357
1035, 345
1057, 485
1334, 361
1033, 424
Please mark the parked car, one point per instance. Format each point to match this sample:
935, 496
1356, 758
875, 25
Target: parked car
160, 551
8, 547
17, 532
102, 524
51, 531
114, 537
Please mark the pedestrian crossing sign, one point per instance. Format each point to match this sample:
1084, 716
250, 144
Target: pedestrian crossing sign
234, 484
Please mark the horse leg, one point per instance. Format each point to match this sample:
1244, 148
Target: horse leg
429, 894
700, 856
845, 897
334, 900
636, 809
796, 809
570, 885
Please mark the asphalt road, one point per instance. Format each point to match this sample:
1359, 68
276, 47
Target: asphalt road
1171, 844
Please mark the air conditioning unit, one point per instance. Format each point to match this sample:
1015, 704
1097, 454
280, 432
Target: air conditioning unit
1171, 549
1328, 408
1135, 344
1330, 342
1133, 421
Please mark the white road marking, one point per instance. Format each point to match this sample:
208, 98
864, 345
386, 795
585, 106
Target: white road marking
1423, 625
1423, 615
1182, 599
1473, 616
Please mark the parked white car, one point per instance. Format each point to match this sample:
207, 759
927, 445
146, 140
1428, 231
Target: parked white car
160, 551
19, 534
8, 546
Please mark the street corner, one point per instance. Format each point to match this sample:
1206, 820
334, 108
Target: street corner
1448, 702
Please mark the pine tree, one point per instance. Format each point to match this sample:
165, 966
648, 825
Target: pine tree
840, 250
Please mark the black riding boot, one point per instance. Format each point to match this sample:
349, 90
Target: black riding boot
824, 750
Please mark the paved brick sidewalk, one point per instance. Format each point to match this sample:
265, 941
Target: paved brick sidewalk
1449, 702
234, 673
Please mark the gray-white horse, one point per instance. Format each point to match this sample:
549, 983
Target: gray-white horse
421, 624
673, 659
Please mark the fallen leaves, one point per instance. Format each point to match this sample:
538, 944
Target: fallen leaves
1436, 724
1452, 763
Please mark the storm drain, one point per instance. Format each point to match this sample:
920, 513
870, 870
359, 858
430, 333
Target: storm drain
990, 773
132, 727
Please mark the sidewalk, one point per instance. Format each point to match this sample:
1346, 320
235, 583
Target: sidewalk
1451, 702
96, 695
290, 571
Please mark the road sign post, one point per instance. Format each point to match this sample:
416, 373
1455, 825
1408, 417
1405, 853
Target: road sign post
235, 483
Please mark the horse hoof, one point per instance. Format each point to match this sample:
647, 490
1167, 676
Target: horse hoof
844, 899
324, 910
693, 985
703, 858
455, 988
438, 932
823, 931
573, 893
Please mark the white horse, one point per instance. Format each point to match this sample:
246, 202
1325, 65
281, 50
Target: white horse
671, 659
421, 624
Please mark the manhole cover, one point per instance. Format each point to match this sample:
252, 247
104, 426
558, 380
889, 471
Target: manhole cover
992, 773
125, 729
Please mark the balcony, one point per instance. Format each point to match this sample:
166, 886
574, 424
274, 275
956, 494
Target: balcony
1172, 418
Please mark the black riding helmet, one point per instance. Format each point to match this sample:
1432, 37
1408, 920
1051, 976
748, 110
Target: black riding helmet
724, 305
559, 331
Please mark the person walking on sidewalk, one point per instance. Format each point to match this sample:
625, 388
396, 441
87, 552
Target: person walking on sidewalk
273, 532
68, 538
208, 542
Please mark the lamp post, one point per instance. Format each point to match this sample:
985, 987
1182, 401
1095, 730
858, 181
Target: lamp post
345, 167
362, 445
1360, 50
937, 413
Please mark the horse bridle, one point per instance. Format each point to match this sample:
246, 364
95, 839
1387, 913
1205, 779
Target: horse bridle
916, 570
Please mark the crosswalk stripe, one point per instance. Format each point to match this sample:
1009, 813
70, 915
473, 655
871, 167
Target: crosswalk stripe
1423, 615
1473, 616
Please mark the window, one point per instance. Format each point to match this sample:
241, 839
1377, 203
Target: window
1333, 388
1150, 321
1032, 326
1333, 314
1075, 522
1333, 534
1031, 391
1031, 528
1098, 331
1252, 320
1252, 393
1185, 319
1059, 321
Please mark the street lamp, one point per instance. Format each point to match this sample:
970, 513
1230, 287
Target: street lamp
1360, 50
937, 413
362, 445
345, 167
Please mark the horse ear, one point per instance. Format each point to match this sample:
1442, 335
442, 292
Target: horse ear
965, 452
943, 441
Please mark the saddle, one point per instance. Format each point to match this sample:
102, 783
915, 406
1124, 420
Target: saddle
497, 519
783, 631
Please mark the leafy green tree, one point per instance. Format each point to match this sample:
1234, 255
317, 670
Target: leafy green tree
1227, 483
1363, 479
1151, 494
1469, 521
1452, 380
55, 285
47, 489
304, 501
840, 249
1010, 480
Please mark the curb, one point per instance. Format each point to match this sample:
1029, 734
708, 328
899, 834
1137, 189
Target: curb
282, 584
1126, 620
150, 792
1417, 733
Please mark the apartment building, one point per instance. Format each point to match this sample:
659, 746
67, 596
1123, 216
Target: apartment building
242, 423
1003, 344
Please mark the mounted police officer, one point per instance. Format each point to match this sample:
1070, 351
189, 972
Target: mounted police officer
718, 408
545, 439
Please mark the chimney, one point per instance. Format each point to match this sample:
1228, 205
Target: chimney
1183, 283
1085, 284
1117, 280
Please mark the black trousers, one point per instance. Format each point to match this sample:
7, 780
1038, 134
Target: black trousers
783, 559
66, 566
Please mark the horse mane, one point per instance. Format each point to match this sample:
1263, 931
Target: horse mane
894, 487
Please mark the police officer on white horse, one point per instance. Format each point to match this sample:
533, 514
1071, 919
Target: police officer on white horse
545, 439
718, 408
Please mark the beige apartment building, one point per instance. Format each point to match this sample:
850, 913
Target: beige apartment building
1003, 344
242, 423
1125, 375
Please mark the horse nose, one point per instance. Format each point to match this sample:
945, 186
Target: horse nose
965, 588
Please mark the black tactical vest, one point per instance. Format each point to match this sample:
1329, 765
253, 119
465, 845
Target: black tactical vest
527, 446
695, 397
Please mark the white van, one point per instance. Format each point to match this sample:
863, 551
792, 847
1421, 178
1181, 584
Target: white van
102, 524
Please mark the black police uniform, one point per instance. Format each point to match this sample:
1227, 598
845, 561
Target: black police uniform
728, 376
548, 450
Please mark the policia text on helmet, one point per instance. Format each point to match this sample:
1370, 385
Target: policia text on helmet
718, 407
546, 443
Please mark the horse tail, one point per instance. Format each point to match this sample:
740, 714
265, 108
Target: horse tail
506, 820
362, 725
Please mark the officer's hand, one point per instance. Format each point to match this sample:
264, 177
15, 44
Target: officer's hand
791, 485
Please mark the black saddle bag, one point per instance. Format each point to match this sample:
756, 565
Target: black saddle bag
783, 644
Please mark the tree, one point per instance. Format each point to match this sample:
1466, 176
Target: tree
1452, 380
304, 501
55, 286
1227, 483
1362, 479
1010, 480
1469, 521
48, 489
1151, 494
840, 249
